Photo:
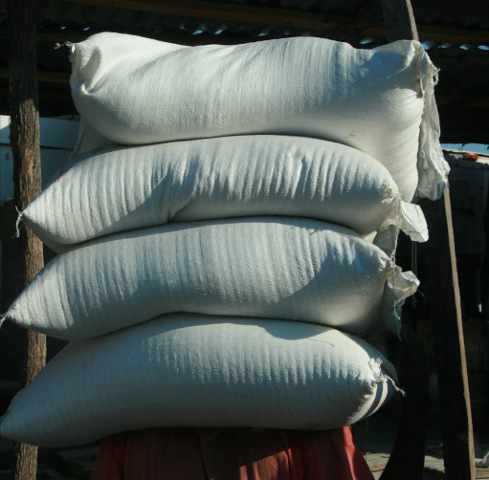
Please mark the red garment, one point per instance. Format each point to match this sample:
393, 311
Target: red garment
231, 454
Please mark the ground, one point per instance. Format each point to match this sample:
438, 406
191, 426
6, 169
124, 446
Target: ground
375, 438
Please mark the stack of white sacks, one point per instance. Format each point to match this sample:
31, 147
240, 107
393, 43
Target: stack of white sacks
240, 220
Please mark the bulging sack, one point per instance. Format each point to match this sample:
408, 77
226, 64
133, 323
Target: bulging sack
128, 188
273, 267
197, 371
134, 90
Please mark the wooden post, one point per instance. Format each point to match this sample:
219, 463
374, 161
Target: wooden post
445, 311
24, 133
443, 297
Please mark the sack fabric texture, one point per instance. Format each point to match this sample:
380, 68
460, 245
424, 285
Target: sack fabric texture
200, 371
127, 188
216, 232
271, 267
135, 90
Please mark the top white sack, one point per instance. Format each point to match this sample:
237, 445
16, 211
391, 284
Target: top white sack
135, 90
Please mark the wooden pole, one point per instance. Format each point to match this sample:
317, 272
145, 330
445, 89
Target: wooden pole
24, 133
399, 21
445, 311
441, 278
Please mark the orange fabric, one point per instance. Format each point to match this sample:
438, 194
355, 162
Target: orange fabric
231, 454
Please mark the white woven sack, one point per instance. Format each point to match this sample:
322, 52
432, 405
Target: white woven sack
128, 188
134, 90
89, 140
278, 267
188, 371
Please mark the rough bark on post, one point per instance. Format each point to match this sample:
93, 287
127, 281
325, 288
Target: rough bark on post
24, 133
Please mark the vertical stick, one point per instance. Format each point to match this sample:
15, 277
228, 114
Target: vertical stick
399, 21
27, 177
441, 286
446, 312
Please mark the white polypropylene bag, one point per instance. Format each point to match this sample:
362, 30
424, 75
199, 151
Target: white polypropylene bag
89, 140
278, 267
127, 188
197, 371
134, 90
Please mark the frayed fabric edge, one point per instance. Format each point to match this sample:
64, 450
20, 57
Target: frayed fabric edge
408, 218
399, 286
395, 386
413, 222
377, 367
20, 215
386, 239
433, 169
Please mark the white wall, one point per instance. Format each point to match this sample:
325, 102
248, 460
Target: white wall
58, 137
